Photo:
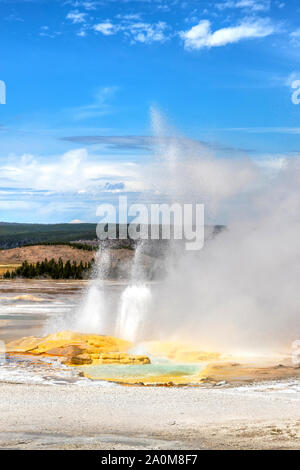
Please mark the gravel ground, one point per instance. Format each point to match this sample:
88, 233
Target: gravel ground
115, 417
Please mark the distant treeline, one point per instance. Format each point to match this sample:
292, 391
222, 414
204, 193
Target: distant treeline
79, 246
15, 235
51, 269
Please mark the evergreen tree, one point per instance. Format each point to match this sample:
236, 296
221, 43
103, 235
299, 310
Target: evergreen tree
51, 269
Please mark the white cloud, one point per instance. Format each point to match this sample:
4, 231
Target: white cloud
249, 5
75, 171
76, 17
10, 205
106, 28
137, 31
147, 33
201, 36
295, 34
130, 17
87, 5
288, 81
295, 37
45, 31
90, 5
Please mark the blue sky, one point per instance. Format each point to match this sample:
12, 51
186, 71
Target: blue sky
81, 77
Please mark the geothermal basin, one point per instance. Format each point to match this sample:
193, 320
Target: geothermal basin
30, 310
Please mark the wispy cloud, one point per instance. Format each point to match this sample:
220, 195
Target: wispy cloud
13, 17
266, 130
249, 5
107, 28
136, 31
148, 143
147, 33
295, 34
129, 17
129, 142
87, 5
82, 33
76, 17
288, 81
201, 35
90, 5
99, 107
295, 37
45, 31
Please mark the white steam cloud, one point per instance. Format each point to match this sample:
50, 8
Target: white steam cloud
242, 290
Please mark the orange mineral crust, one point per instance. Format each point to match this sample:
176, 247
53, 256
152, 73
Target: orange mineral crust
110, 358
77, 349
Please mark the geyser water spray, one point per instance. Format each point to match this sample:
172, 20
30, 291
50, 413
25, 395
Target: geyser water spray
135, 302
135, 306
93, 314
241, 292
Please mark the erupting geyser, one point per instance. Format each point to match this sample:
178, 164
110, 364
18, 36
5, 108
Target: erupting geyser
93, 311
241, 292
135, 303
93, 314
134, 308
